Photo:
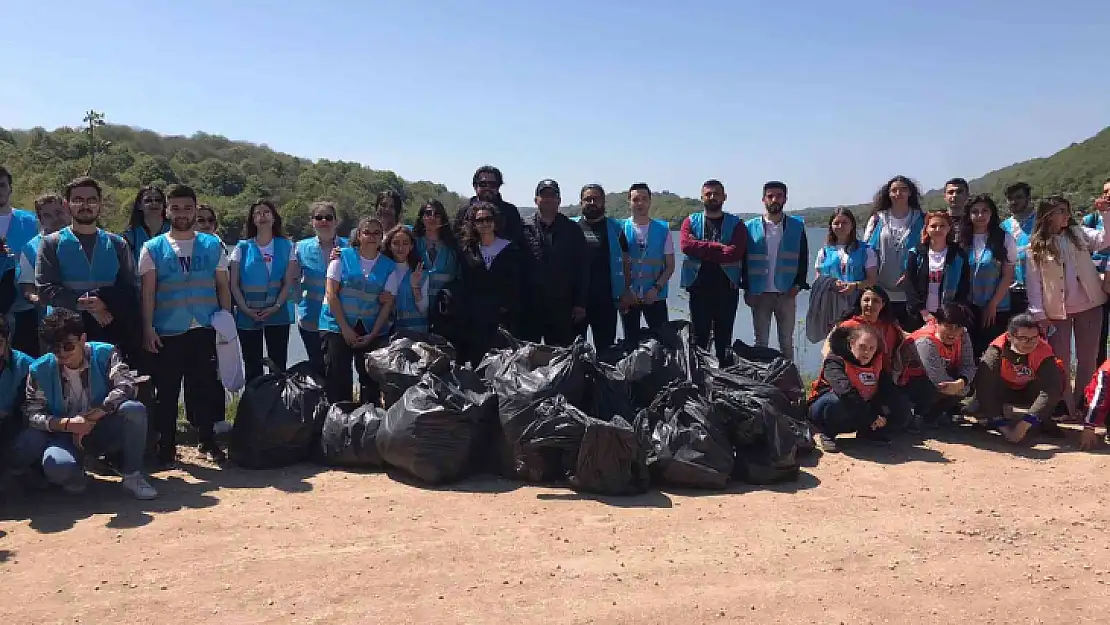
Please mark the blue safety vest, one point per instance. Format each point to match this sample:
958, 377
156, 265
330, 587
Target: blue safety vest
647, 262
986, 271
912, 240
616, 259
261, 288
23, 227
183, 298
78, 274
406, 314
690, 265
46, 375
1021, 233
854, 270
13, 381
443, 270
358, 295
786, 262
1094, 220
136, 237
314, 269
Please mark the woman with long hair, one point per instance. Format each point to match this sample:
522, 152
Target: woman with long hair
361, 290
937, 272
436, 245
486, 294
387, 208
148, 219
410, 310
893, 229
1065, 289
872, 308
263, 269
313, 256
844, 257
992, 254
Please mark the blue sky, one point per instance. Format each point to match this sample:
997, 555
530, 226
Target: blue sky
831, 97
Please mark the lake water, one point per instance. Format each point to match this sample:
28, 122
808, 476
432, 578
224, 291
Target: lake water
807, 355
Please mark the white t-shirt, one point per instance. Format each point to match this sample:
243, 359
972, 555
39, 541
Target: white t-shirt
979, 243
267, 253
936, 278
184, 250
642, 237
871, 260
772, 235
335, 272
399, 274
490, 252
77, 400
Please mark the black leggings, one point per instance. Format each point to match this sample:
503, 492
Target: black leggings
277, 348
338, 356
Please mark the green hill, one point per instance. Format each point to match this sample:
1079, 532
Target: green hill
227, 174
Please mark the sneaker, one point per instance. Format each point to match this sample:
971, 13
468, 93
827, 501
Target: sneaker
139, 488
915, 425
825, 443
212, 452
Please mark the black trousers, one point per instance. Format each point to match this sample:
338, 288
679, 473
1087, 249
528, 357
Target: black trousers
313, 347
712, 314
338, 357
654, 314
277, 348
25, 333
552, 325
601, 317
190, 358
981, 337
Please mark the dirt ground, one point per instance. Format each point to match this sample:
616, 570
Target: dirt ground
966, 530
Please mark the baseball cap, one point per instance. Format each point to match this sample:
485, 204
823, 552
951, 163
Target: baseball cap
548, 183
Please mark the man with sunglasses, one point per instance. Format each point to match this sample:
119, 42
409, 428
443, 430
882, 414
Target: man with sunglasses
80, 399
89, 270
610, 288
487, 183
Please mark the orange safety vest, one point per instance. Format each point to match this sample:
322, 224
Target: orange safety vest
1018, 377
951, 355
864, 379
889, 337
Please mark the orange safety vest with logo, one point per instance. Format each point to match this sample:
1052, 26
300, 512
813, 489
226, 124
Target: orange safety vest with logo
1018, 377
951, 355
888, 333
865, 379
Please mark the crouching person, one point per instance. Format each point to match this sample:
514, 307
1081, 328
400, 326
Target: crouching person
1098, 406
1019, 369
853, 392
81, 400
940, 365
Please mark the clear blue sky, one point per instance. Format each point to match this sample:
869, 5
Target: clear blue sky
831, 97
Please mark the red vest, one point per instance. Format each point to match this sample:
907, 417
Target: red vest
864, 379
951, 355
1018, 377
889, 336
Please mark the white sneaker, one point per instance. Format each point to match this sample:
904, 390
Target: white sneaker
139, 488
825, 443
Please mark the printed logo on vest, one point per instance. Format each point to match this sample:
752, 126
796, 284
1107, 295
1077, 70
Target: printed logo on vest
868, 379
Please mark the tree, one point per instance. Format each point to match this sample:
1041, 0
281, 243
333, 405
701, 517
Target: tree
94, 121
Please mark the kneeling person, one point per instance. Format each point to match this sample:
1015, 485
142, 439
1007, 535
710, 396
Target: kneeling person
81, 400
1019, 369
853, 392
939, 365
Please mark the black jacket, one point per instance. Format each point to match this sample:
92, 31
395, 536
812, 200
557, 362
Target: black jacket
510, 219
556, 276
490, 295
917, 278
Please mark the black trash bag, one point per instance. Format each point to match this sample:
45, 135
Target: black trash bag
612, 459
349, 436
768, 365
547, 449
279, 419
664, 356
689, 443
763, 434
409, 355
430, 431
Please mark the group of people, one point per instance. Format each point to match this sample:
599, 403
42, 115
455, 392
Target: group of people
91, 316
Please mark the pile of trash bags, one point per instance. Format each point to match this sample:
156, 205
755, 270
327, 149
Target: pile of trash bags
660, 411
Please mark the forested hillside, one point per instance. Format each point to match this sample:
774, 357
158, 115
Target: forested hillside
227, 174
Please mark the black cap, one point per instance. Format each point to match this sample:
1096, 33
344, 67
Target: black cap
548, 183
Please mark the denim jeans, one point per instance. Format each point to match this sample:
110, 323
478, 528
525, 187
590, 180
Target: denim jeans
61, 460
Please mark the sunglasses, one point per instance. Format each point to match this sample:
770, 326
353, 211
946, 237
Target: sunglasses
488, 184
66, 347
429, 212
323, 217
483, 220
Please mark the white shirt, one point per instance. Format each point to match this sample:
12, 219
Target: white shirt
490, 252
642, 237
184, 250
267, 253
392, 283
399, 273
979, 243
936, 278
77, 400
772, 236
871, 259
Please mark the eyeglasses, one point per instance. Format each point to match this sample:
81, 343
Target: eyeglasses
323, 217
152, 201
65, 346
483, 220
91, 202
488, 184
429, 212
1017, 338
372, 233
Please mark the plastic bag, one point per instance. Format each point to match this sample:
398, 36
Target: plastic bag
409, 355
764, 436
612, 457
349, 436
689, 444
279, 419
767, 365
663, 357
430, 431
